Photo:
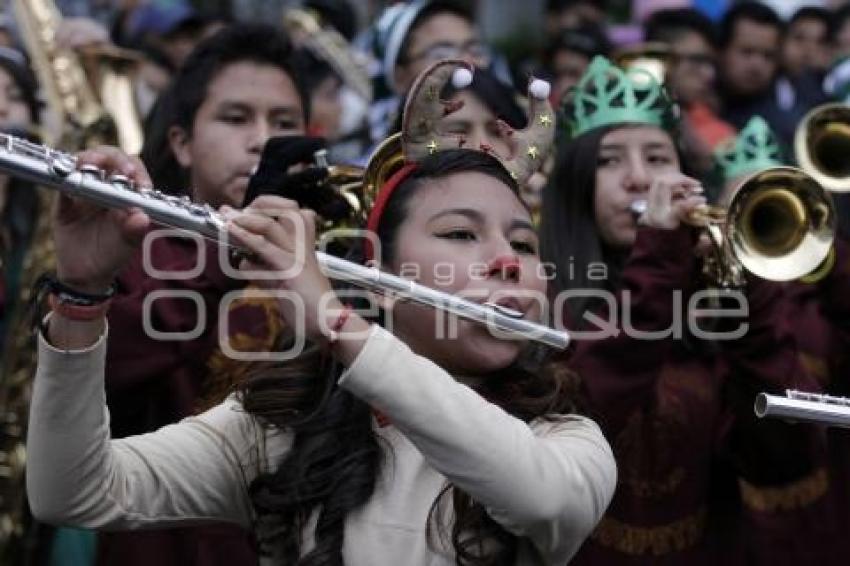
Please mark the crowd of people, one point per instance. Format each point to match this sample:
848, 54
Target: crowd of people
148, 416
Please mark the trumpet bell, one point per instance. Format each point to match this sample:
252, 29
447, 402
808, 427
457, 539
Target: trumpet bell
650, 57
359, 186
822, 145
781, 224
387, 158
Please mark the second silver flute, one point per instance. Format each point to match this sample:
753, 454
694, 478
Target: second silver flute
805, 407
51, 168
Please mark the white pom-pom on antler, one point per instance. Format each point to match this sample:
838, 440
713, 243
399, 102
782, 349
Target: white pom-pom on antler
461, 78
421, 134
539, 89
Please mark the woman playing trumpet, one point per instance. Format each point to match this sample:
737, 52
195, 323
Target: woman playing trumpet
816, 314
675, 403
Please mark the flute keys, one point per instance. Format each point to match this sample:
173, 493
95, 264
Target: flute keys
120, 181
91, 171
62, 166
154, 193
321, 158
185, 202
504, 310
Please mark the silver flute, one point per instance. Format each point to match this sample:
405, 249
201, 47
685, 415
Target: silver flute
57, 170
805, 407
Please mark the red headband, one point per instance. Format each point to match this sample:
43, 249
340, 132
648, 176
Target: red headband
384, 194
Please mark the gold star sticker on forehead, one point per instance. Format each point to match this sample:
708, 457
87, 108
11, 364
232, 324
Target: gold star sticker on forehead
533, 152
513, 175
432, 146
545, 120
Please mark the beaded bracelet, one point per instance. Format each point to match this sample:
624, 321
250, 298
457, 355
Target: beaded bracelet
64, 300
69, 295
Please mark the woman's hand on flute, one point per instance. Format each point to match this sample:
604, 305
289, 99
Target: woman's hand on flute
282, 238
93, 243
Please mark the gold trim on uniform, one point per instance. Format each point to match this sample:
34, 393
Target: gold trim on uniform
816, 366
225, 373
787, 497
656, 541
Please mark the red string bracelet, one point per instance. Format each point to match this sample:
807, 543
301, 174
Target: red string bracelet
76, 312
340, 321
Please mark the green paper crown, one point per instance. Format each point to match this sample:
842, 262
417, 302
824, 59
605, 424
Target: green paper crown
607, 94
755, 148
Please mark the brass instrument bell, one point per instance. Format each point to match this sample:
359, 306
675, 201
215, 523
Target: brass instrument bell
650, 57
781, 224
822, 145
387, 158
359, 186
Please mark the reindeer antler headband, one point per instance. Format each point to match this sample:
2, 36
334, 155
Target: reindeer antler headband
422, 132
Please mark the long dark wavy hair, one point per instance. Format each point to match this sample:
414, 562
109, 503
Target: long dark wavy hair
569, 237
336, 457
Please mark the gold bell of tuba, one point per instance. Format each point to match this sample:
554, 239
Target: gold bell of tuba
822, 145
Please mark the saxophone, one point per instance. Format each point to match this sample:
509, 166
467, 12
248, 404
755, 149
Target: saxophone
17, 368
91, 99
91, 94
329, 45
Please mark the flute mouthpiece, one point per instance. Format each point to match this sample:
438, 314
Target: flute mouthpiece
638, 207
321, 158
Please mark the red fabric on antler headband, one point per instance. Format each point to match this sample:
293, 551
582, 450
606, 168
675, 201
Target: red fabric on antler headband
384, 194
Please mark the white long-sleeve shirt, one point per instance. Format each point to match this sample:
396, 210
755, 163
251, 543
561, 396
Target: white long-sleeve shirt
548, 482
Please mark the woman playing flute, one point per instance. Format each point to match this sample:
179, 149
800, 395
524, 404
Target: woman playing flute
370, 446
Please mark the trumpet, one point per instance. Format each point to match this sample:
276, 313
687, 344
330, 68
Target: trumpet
805, 407
822, 144
779, 226
51, 168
